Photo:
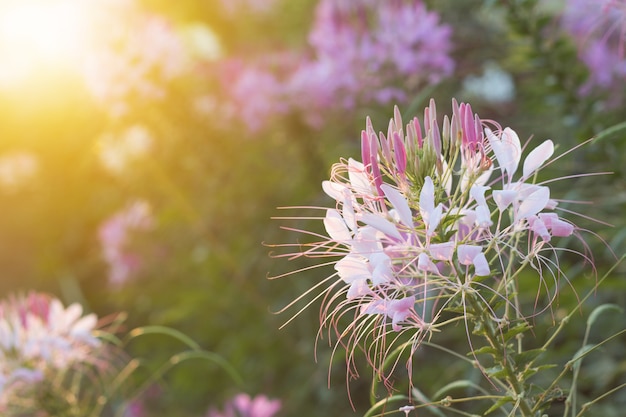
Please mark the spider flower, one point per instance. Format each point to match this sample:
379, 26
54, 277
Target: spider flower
435, 209
40, 337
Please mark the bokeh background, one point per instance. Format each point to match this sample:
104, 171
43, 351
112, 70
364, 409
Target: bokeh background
145, 146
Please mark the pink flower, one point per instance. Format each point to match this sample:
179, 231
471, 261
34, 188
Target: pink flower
242, 405
115, 238
436, 210
599, 30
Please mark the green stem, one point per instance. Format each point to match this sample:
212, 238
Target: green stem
500, 353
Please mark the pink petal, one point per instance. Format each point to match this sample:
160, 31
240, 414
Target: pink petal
442, 251
467, 253
537, 157
425, 264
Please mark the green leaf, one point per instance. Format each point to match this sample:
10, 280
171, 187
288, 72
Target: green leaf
167, 331
464, 383
382, 403
495, 371
601, 309
527, 356
499, 403
514, 331
484, 350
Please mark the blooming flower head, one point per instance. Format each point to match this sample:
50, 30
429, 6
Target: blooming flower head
242, 405
435, 209
38, 335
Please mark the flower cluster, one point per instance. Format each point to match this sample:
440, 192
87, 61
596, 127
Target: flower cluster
374, 51
39, 336
428, 216
242, 405
360, 52
115, 237
599, 29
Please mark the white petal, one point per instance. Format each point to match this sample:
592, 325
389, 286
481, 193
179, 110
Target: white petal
399, 203
336, 226
537, 157
427, 196
481, 266
333, 189
533, 203
477, 192
352, 268
507, 149
504, 198
381, 224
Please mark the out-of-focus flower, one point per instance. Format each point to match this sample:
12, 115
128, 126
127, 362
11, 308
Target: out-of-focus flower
115, 236
363, 51
39, 337
494, 86
140, 54
117, 152
599, 29
242, 405
366, 51
17, 168
256, 95
434, 210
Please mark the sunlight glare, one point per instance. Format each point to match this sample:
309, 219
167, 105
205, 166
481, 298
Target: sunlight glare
38, 36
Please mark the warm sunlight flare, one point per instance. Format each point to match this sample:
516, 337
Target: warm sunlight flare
38, 36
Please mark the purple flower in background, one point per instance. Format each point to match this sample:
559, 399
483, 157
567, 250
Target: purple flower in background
366, 51
599, 29
115, 237
361, 51
242, 405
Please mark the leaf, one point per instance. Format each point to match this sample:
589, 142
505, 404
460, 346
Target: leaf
464, 383
484, 350
499, 403
601, 309
527, 356
514, 331
166, 331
